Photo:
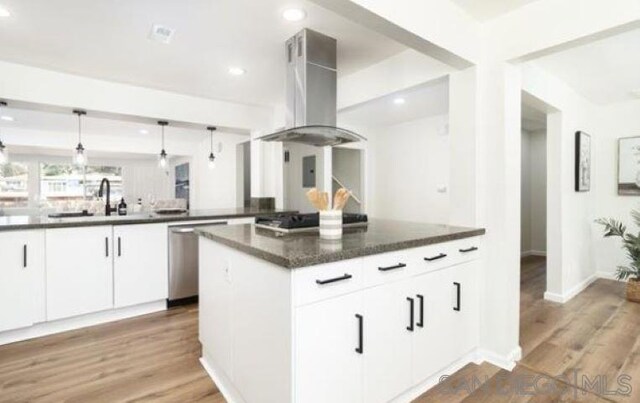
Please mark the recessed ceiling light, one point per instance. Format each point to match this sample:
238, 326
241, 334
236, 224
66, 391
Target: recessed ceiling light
8, 118
143, 131
4, 12
237, 71
399, 101
294, 14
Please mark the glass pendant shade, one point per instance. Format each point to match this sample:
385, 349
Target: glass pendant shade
162, 158
212, 158
79, 154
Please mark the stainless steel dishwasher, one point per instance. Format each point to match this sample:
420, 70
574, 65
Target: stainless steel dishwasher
183, 263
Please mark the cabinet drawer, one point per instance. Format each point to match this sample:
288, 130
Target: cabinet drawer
467, 249
388, 267
316, 283
435, 257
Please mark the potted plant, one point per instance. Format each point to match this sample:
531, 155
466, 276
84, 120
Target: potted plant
631, 243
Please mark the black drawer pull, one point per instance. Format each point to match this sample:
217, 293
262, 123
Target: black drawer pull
119, 247
421, 317
24, 256
458, 290
360, 348
471, 249
106, 246
333, 280
410, 327
398, 266
431, 259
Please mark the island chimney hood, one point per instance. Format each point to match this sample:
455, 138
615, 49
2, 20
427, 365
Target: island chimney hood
311, 88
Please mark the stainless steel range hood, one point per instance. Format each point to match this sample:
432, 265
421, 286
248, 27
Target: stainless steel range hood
311, 93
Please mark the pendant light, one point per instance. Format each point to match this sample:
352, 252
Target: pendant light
162, 160
4, 157
79, 157
212, 158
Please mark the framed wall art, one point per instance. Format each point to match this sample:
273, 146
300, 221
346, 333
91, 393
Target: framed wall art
629, 166
583, 162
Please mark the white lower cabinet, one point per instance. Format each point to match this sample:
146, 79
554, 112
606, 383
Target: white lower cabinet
140, 264
374, 344
329, 345
79, 271
21, 279
388, 331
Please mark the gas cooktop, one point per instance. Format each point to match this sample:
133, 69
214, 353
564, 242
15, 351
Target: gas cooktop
305, 222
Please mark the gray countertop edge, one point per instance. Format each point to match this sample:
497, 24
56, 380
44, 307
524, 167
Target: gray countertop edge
313, 260
134, 221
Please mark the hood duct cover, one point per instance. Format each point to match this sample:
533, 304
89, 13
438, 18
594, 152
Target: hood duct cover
311, 90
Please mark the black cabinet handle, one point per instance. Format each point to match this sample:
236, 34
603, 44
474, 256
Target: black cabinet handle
333, 280
106, 246
398, 266
471, 249
458, 289
421, 317
360, 348
410, 327
119, 248
24, 256
431, 259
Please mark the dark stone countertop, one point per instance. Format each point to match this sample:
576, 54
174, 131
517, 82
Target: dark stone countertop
300, 250
13, 223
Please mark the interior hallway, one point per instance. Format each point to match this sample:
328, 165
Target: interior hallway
154, 358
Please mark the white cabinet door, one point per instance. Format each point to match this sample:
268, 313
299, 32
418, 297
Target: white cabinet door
79, 271
328, 350
21, 279
462, 315
431, 335
140, 264
389, 328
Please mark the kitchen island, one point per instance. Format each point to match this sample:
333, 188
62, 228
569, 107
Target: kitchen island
377, 316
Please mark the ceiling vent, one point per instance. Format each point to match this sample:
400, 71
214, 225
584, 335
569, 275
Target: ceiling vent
160, 33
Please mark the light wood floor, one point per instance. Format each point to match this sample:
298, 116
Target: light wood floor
155, 357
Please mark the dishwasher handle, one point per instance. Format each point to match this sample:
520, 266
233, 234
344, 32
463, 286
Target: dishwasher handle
190, 230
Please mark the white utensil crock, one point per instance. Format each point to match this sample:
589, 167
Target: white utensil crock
331, 224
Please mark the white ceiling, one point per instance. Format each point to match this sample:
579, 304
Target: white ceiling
483, 10
108, 39
429, 99
605, 71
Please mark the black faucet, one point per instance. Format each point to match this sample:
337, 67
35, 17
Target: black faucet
107, 207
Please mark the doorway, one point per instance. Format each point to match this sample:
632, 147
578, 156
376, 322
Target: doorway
533, 217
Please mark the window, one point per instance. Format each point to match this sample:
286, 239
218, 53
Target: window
67, 182
14, 180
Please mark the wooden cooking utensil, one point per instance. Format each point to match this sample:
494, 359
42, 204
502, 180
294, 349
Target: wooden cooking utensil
341, 198
325, 201
314, 197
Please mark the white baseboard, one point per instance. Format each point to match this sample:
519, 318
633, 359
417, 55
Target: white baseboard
507, 362
533, 253
92, 319
567, 296
607, 275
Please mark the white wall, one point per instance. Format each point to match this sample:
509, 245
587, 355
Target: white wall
408, 162
294, 192
533, 217
614, 121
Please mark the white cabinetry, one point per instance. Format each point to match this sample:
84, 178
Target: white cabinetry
79, 271
329, 348
21, 279
140, 264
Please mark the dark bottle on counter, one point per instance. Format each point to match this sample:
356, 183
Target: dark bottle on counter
122, 207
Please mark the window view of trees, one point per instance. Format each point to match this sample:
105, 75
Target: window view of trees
14, 185
65, 182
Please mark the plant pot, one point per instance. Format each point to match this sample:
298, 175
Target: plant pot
633, 290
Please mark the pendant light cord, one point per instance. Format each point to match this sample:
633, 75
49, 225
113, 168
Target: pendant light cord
79, 128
